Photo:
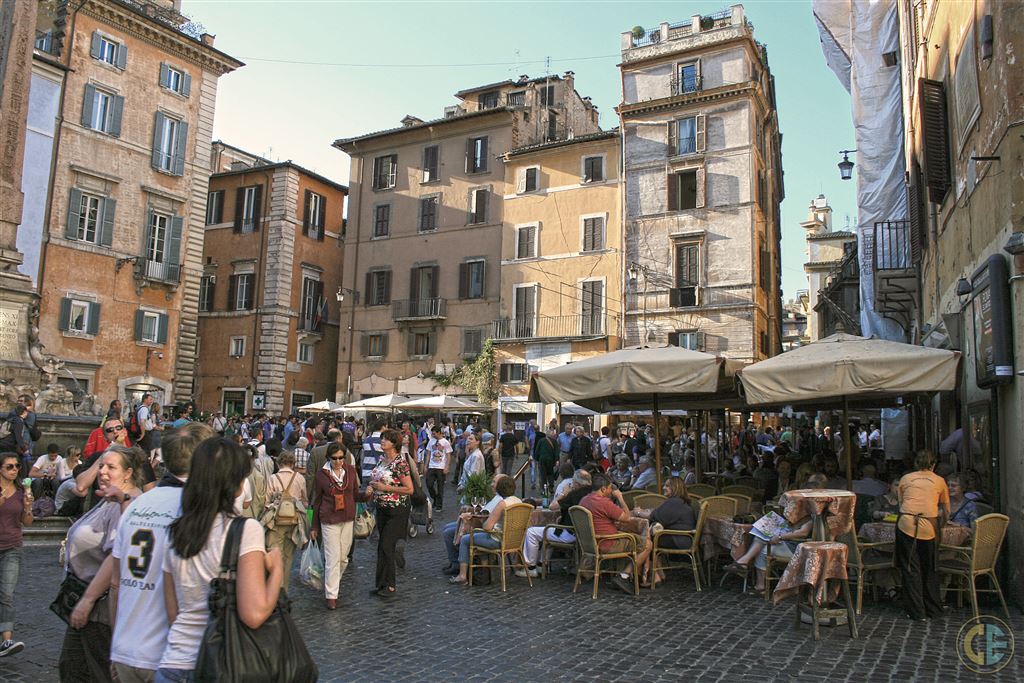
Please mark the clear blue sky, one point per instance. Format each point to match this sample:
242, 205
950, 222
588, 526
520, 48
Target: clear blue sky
294, 96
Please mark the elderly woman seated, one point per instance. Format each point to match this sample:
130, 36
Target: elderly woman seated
621, 474
675, 514
505, 487
963, 510
535, 534
782, 545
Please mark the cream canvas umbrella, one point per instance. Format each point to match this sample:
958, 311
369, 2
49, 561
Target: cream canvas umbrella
389, 401
319, 407
646, 377
444, 403
843, 369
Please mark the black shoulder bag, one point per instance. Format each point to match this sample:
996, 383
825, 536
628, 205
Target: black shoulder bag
231, 652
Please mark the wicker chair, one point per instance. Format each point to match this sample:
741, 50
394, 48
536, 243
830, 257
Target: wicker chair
717, 506
547, 545
701, 490
749, 491
589, 545
749, 482
693, 552
864, 559
978, 560
648, 501
743, 503
515, 520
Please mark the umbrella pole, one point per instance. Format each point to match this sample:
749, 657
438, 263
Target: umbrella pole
657, 439
846, 444
698, 446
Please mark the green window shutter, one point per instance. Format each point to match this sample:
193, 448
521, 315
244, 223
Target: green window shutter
239, 208
186, 84
139, 318
165, 75
90, 97
161, 329
387, 286
116, 113
321, 226
94, 45
93, 324
384, 344
65, 314
463, 280
122, 56
305, 212
158, 126
106, 237
370, 294
257, 211
232, 292
74, 215
173, 257
180, 149
364, 345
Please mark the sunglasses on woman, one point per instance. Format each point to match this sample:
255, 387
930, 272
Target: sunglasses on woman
10, 466
111, 430
337, 457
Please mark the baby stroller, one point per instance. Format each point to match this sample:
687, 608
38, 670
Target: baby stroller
421, 515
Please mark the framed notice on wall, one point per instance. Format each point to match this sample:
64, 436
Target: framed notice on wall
259, 400
993, 323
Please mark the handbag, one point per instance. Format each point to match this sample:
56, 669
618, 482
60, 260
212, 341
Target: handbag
418, 497
70, 593
230, 651
364, 524
339, 497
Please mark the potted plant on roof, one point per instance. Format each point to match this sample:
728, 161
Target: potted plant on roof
638, 32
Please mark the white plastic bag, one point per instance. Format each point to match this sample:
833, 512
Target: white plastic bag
311, 566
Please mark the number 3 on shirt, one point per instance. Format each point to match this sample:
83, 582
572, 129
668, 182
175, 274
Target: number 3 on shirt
138, 565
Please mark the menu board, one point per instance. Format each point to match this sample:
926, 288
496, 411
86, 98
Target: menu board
984, 357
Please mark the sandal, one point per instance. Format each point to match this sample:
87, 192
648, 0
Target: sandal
736, 568
457, 581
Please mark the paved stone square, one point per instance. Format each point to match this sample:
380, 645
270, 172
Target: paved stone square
437, 632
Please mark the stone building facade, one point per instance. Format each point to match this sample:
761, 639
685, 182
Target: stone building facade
426, 224
830, 296
702, 186
268, 295
123, 115
561, 263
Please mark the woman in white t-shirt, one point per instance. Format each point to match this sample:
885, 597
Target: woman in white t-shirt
219, 467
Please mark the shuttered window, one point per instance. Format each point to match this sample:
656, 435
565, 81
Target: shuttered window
428, 213
170, 140
916, 214
471, 279
472, 342
215, 207
374, 344
476, 155
382, 220
526, 242
478, 206
592, 308
385, 171
314, 215
593, 169
102, 111
90, 218
79, 317
514, 373
378, 287
593, 234
935, 135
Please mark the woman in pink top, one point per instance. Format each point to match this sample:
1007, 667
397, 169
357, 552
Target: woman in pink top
15, 511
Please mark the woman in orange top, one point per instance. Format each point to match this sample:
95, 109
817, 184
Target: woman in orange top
924, 508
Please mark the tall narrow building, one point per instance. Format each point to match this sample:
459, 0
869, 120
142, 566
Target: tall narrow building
703, 183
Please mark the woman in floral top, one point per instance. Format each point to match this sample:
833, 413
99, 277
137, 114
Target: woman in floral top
390, 485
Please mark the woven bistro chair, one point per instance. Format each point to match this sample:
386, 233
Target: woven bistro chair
978, 559
693, 552
743, 503
630, 497
717, 506
515, 520
547, 545
589, 545
749, 482
648, 501
701, 490
865, 559
749, 491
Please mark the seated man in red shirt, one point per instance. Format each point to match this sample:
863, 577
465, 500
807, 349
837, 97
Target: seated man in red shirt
607, 507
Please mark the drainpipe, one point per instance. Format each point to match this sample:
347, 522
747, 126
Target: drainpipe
355, 268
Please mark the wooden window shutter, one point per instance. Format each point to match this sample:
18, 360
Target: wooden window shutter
673, 138
165, 75
435, 277
305, 212
250, 297
321, 219
935, 133
483, 154
116, 114
469, 155
140, 317
180, 149
414, 283
702, 136
87, 104
673, 339
65, 314
158, 127
701, 340
173, 258
701, 187
384, 344
387, 286
74, 214
94, 45
673, 191
503, 372
364, 345
92, 325
411, 343
232, 293
521, 181
106, 229
521, 242
161, 329
915, 214
463, 280
186, 84
370, 296
239, 208
257, 206
122, 56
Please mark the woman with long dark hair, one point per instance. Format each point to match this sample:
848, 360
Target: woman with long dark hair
390, 485
85, 654
15, 512
219, 466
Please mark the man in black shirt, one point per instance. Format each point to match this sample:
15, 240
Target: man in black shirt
581, 450
507, 441
535, 534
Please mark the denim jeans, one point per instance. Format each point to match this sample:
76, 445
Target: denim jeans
480, 538
10, 565
449, 541
175, 676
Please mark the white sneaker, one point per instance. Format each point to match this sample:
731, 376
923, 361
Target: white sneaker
523, 573
9, 647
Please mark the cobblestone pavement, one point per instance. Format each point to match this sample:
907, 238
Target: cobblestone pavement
437, 632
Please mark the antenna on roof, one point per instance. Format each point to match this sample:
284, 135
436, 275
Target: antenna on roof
547, 66
515, 69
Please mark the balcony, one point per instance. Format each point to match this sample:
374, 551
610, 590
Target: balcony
895, 273
592, 326
162, 272
419, 309
688, 28
310, 322
685, 84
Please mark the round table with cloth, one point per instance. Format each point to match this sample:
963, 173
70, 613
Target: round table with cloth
831, 509
813, 564
722, 532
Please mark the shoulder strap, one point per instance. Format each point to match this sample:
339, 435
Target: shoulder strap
232, 544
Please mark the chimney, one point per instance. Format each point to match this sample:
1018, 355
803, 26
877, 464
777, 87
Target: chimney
207, 39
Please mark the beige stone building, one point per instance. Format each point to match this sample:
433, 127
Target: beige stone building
831, 265
561, 263
123, 99
268, 305
426, 224
702, 187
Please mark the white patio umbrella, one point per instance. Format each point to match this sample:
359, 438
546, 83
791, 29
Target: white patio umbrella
324, 406
444, 403
389, 401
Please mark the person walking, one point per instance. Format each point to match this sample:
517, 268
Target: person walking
507, 442
439, 459
219, 466
390, 485
545, 454
335, 492
924, 508
15, 512
282, 534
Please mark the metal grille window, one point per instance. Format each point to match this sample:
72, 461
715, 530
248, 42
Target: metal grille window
526, 242
593, 234
593, 169
430, 163
385, 172
428, 213
382, 220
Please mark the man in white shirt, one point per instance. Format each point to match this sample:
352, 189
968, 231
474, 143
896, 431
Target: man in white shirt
874, 437
439, 458
136, 585
47, 472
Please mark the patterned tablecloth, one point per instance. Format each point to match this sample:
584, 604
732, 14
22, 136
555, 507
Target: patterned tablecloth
813, 564
721, 532
543, 517
838, 505
540, 517
885, 532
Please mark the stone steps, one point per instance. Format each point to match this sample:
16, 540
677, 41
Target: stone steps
48, 531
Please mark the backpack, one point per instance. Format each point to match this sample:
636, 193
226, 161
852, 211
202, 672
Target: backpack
489, 465
259, 494
287, 513
44, 507
134, 428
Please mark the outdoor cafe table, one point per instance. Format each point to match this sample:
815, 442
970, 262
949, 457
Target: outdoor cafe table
831, 510
885, 532
722, 532
469, 520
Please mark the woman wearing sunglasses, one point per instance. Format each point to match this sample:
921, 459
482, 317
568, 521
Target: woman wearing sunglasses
335, 492
15, 512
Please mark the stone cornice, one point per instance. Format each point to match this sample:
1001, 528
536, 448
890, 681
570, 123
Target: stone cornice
750, 89
139, 26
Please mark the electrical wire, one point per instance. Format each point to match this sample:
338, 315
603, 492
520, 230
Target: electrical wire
374, 65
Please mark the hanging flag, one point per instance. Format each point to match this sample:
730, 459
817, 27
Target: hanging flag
321, 313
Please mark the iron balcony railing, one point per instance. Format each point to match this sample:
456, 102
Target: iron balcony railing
892, 246
419, 309
309, 322
157, 270
596, 324
686, 84
649, 37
